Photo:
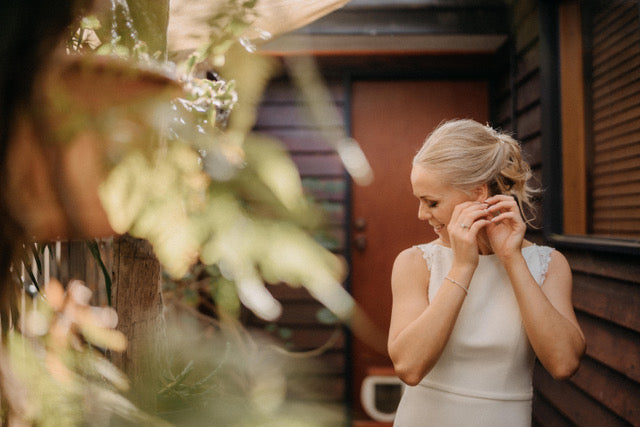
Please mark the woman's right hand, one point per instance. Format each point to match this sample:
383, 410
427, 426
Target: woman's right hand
467, 219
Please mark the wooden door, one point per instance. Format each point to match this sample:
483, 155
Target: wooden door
391, 119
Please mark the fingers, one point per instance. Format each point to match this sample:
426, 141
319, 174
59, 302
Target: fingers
477, 225
464, 226
472, 216
468, 216
506, 215
501, 208
500, 198
501, 203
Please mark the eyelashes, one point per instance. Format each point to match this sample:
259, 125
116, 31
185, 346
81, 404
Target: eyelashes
429, 203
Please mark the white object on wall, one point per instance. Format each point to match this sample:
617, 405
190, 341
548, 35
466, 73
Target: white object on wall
370, 394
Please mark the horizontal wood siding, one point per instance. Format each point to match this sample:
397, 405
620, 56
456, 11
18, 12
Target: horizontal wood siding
320, 345
606, 389
608, 381
615, 89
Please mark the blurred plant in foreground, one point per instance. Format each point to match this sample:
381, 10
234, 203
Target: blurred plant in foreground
192, 178
230, 377
189, 176
54, 369
208, 372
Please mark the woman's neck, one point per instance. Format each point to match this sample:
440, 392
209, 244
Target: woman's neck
484, 247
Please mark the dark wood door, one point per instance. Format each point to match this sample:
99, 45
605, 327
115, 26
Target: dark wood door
391, 119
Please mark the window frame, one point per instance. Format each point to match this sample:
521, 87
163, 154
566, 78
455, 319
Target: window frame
565, 208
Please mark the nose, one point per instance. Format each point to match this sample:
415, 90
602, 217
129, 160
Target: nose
424, 213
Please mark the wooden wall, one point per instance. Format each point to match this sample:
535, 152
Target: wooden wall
301, 327
516, 89
606, 389
65, 261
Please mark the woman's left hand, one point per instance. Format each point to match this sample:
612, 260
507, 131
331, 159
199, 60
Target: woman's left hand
506, 228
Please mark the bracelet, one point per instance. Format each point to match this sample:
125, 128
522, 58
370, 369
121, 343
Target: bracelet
466, 291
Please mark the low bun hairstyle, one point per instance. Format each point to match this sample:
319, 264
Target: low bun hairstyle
468, 154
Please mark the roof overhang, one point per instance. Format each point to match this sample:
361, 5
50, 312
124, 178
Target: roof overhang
430, 44
438, 27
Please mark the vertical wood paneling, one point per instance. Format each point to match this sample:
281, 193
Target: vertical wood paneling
77, 262
574, 155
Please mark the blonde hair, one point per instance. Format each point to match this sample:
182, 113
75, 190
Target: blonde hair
468, 154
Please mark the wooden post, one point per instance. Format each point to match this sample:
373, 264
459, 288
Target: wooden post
137, 297
137, 273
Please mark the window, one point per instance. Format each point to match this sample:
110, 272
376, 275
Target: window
613, 90
598, 86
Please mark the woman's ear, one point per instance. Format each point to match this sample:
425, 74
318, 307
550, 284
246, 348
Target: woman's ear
481, 193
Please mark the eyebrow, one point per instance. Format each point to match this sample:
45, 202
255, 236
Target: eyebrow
428, 197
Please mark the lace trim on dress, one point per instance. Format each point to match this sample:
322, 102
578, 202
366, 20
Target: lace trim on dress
544, 252
427, 253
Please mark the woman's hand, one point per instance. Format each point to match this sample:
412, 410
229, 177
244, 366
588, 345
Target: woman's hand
506, 227
467, 220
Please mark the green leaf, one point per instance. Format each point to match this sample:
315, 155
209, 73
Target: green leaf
27, 267
36, 257
250, 4
95, 251
171, 387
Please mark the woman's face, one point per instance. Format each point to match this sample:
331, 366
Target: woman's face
437, 199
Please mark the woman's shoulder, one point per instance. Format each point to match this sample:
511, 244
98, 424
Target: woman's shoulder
541, 249
556, 260
411, 255
543, 259
417, 255
410, 266
432, 245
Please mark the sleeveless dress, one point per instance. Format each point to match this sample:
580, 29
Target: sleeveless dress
483, 377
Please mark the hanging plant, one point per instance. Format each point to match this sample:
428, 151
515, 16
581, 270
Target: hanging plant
159, 151
127, 142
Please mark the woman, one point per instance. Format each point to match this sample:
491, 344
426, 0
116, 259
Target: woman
473, 308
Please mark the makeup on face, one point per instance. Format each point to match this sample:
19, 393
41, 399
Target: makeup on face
437, 199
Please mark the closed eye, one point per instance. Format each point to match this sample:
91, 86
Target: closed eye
429, 203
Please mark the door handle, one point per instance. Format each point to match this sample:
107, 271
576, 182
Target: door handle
360, 242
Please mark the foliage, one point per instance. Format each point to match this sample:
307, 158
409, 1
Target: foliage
210, 372
205, 189
58, 375
225, 212
234, 378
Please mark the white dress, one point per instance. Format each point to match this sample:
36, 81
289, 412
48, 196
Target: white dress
483, 377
